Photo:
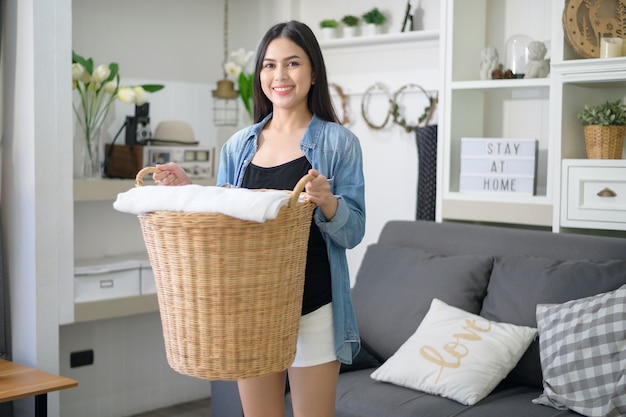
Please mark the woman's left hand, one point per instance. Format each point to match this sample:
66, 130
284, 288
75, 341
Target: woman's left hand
318, 192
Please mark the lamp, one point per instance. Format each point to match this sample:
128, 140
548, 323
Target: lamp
225, 106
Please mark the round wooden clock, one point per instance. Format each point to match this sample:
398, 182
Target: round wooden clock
585, 22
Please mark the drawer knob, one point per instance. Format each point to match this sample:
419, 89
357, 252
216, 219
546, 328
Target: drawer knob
607, 192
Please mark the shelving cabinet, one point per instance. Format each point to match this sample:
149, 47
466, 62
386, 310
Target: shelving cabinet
538, 108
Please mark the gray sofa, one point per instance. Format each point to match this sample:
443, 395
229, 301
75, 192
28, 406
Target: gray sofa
499, 273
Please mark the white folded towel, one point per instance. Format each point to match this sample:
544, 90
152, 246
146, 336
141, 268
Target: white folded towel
240, 203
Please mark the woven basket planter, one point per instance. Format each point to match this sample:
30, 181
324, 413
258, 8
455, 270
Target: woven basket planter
604, 142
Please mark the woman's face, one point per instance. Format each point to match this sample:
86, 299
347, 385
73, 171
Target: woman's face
286, 74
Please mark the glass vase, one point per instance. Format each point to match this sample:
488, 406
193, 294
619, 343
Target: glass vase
91, 162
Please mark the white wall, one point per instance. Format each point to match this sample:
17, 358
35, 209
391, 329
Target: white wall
427, 16
390, 155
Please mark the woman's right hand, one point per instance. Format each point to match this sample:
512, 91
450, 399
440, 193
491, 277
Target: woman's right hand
171, 174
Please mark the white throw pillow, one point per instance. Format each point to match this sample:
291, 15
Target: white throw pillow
583, 354
456, 354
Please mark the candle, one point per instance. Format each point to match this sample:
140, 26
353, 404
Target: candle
610, 47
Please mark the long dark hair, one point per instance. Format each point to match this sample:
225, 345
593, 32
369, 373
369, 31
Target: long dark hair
319, 101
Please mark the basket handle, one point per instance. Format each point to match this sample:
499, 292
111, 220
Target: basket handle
299, 188
143, 172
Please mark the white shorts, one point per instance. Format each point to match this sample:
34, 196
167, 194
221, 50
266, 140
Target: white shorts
316, 339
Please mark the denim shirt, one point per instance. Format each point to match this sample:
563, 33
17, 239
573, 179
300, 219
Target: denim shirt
335, 152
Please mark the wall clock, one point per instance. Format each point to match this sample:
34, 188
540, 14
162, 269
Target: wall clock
585, 22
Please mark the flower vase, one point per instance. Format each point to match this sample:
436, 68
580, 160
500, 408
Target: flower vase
91, 162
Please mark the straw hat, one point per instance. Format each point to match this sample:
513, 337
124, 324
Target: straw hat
173, 132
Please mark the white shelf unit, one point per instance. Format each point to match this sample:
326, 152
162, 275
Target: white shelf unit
544, 109
504, 108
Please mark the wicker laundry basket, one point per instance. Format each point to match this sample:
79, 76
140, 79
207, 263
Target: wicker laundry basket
229, 290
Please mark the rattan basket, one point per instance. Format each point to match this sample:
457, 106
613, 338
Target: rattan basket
229, 290
604, 142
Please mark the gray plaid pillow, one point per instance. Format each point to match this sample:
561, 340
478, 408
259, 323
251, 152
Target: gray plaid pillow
583, 354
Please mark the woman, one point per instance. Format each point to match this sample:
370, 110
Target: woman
297, 132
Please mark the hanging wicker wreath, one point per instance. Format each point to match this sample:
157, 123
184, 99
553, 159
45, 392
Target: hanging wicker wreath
345, 117
424, 117
365, 102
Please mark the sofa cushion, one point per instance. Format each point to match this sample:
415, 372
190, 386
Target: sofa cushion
360, 396
363, 360
518, 284
395, 286
583, 354
456, 354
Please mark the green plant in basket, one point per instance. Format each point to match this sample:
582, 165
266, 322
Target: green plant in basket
605, 127
609, 113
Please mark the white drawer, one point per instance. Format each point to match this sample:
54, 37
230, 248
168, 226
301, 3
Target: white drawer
594, 194
106, 278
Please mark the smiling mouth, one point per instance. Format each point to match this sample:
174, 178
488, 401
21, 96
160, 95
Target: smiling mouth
282, 89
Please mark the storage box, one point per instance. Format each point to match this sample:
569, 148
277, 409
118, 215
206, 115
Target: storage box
106, 278
498, 165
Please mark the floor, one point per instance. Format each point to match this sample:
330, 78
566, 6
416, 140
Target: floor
200, 408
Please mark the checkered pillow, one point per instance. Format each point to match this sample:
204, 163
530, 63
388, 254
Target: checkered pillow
583, 354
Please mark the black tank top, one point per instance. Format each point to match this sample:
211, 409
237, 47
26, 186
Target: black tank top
317, 287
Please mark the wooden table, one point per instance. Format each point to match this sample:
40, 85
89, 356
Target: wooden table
18, 381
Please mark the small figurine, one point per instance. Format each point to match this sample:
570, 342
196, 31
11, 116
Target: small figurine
537, 66
488, 62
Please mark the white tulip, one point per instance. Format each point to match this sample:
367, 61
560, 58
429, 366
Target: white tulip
241, 57
232, 70
126, 95
141, 97
86, 78
110, 87
101, 73
77, 71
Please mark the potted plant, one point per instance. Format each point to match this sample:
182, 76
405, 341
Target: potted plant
329, 28
351, 24
605, 127
374, 19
